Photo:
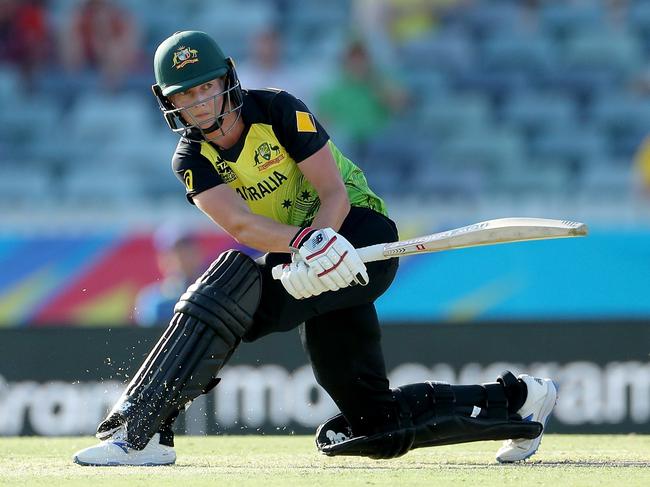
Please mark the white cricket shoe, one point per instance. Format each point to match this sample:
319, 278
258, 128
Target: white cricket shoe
540, 401
115, 451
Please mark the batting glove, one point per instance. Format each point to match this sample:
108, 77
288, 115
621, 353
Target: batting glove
334, 260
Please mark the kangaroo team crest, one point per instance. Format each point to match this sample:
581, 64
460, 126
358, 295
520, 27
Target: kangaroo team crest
263, 155
184, 56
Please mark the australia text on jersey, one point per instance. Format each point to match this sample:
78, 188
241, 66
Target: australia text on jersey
264, 187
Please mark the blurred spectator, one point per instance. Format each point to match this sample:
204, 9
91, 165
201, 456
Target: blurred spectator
24, 37
102, 38
642, 167
266, 67
409, 19
402, 20
180, 260
640, 82
361, 101
617, 12
531, 16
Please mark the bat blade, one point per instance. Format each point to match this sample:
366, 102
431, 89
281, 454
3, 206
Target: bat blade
490, 232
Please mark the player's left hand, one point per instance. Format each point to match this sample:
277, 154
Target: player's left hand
334, 260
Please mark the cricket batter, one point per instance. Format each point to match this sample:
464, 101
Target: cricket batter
259, 164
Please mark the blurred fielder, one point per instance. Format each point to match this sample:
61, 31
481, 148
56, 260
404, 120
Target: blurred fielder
260, 165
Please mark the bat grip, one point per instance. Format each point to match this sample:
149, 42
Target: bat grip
372, 253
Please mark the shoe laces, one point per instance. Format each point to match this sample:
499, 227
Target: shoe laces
118, 436
508, 443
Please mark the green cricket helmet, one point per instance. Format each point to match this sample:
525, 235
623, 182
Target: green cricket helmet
188, 59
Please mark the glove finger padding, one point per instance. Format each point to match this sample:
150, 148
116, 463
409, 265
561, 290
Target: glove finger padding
326, 268
329, 283
318, 272
287, 282
300, 281
360, 277
310, 280
342, 271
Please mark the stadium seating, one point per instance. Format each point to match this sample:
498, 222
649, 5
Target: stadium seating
638, 19
575, 147
608, 50
490, 17
563, 19
450, 52
536, 113
493, 152
454, 114
624, 121
532, 55
505, 99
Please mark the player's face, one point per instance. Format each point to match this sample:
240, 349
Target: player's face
201, 104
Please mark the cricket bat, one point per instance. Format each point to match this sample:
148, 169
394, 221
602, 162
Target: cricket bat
490, 232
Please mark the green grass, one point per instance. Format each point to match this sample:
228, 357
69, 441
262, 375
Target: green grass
291, 461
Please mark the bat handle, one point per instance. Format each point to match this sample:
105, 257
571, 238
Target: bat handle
372, 253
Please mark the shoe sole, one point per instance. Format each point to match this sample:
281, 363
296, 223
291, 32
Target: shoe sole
547, 408
116, 464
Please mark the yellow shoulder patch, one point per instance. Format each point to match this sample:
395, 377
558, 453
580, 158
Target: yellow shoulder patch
305, 122
189, 179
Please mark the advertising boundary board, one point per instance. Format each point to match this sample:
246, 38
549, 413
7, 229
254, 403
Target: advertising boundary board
61, 381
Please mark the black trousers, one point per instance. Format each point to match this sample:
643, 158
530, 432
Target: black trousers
340, 330
341, 335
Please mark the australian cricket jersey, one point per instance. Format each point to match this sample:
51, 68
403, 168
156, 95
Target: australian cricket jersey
262, 167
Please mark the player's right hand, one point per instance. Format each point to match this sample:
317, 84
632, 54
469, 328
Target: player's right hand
334, 260
300, 281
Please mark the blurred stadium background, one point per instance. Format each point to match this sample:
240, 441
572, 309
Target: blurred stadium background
457, 110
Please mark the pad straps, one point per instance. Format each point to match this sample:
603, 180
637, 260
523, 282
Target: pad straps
497, 403
404, 415
443, 398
